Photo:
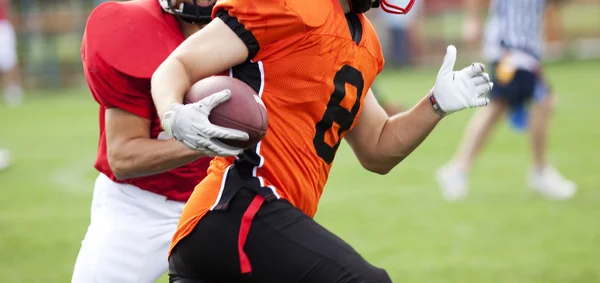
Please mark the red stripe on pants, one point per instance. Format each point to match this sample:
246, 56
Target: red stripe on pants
244, 229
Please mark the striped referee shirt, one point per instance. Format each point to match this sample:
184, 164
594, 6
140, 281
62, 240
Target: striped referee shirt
514, 24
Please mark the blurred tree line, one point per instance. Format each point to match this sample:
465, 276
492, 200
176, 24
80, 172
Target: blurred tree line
50, 31
49, 39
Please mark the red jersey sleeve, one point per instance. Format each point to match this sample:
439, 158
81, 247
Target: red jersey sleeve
113, 90
260, 23
112, 58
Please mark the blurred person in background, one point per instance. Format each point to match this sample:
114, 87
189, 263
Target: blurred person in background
145, 176
403, 36
513, 43
400, 38
13, 93
556, 41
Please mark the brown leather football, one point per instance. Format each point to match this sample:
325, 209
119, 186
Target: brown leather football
244, 111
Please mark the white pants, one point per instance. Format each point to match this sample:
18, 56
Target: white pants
8, 46
129, 235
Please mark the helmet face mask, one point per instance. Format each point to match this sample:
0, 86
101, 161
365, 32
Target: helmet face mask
362, 6
189, 12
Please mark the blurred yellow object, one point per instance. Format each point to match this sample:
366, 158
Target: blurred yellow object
505, 71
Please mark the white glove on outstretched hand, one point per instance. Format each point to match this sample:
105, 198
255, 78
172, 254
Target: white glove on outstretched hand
457, 90
189, 124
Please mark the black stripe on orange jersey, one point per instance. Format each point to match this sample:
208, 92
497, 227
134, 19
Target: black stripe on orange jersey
242, 174
245, 35
355, 26
250, 74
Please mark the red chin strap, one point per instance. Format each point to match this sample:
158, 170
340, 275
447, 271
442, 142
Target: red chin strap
393, 9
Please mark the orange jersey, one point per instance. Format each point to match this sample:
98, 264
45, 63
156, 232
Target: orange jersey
312, 74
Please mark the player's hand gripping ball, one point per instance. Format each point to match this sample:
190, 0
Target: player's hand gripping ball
222, 116
243, 111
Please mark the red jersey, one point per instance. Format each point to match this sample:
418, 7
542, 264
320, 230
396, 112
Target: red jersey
124, 43
4, 10
312, 72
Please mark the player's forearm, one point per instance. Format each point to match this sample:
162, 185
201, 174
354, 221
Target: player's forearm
210, 51
143, 157
402, 134
169, 84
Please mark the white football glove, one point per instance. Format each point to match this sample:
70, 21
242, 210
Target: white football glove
457, 90
189, 124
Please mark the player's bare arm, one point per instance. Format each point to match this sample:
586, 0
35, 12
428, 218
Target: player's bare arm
472, 24
210, 51
133, 153
381, 142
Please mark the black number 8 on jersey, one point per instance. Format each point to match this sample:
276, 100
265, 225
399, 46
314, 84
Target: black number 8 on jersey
338, 114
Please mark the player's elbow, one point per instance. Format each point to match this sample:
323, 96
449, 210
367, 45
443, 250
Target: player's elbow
378, 170
372, 161
119, 171
120, 167
121, 175
378, 166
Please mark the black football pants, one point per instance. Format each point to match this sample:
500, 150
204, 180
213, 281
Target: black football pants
281, 245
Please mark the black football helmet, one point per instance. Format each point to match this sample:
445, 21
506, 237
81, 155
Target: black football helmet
362, 6
191, 13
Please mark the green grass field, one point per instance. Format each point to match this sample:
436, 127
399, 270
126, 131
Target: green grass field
501, 233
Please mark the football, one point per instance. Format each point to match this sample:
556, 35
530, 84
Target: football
244, 111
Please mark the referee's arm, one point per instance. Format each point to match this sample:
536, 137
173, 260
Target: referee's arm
472, 23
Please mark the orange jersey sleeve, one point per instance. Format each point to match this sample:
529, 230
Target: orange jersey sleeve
268, 21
